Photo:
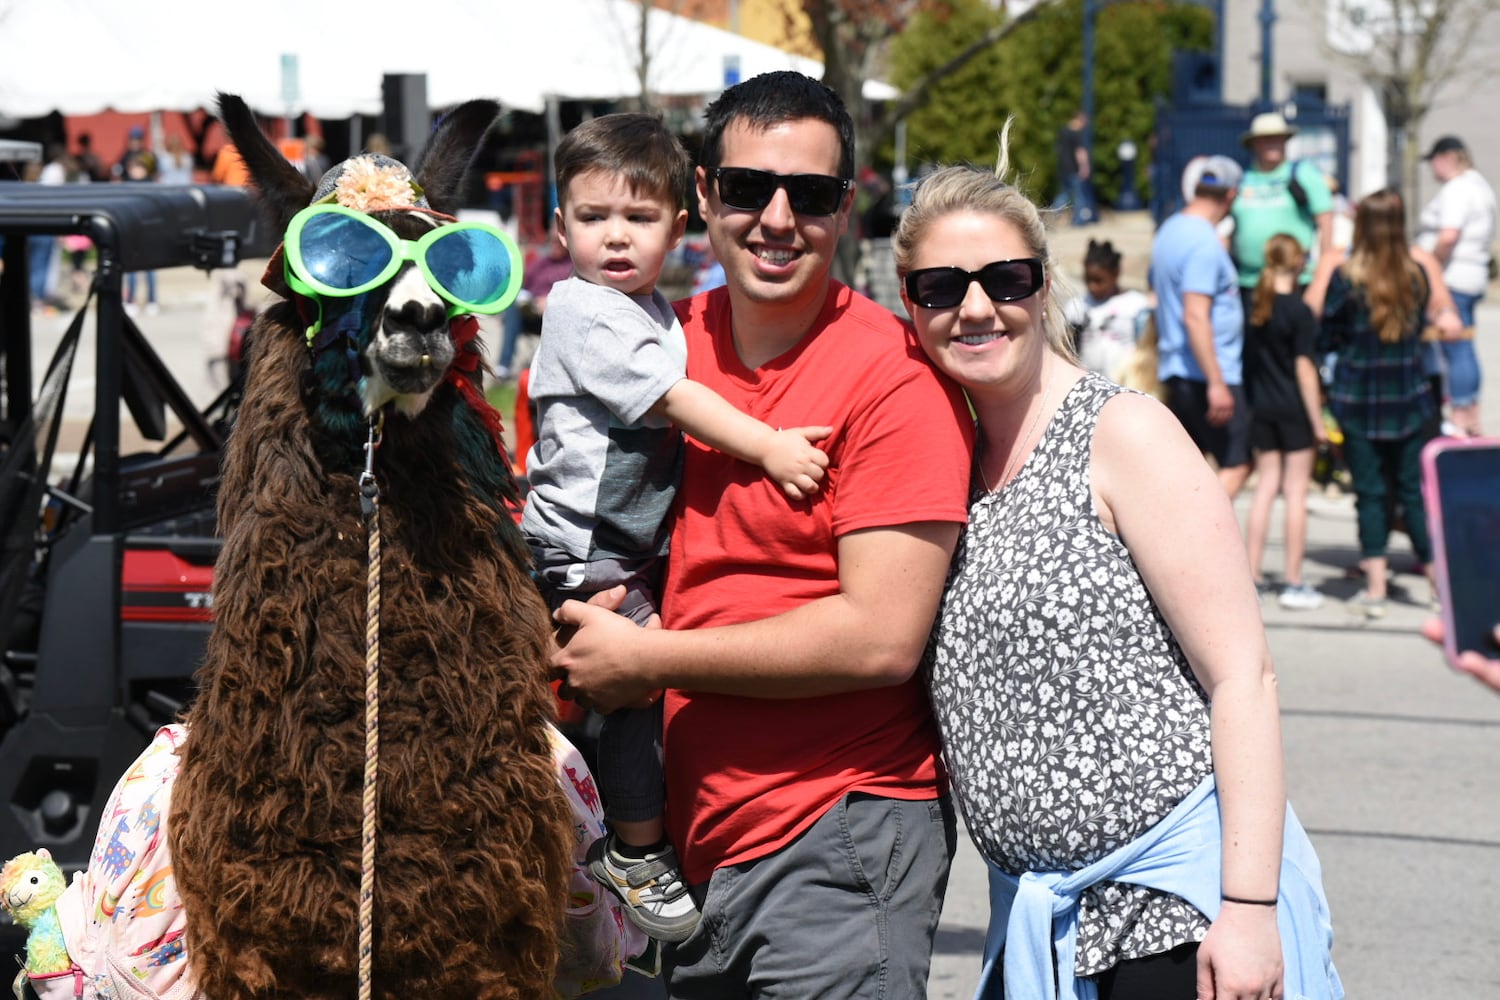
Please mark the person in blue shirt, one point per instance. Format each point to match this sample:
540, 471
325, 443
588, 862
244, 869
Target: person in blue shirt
1200, 321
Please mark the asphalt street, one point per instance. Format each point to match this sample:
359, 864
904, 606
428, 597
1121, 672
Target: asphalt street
1391, 757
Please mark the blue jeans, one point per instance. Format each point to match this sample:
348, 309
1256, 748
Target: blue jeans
510, 332
1078, 193
39, 264
130, 286
1459, 357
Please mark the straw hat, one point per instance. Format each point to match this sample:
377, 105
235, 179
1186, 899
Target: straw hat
1267, 124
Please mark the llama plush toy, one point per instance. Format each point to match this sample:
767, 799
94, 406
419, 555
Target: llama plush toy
29, 886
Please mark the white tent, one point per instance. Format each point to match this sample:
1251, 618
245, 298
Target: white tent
328, 57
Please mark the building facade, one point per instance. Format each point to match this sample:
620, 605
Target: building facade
1321, 50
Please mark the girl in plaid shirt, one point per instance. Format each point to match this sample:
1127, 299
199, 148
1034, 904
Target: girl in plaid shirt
1374, 306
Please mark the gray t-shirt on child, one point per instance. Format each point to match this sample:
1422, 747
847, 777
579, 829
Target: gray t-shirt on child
603, 473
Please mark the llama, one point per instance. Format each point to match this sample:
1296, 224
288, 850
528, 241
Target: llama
229, 861
474, 833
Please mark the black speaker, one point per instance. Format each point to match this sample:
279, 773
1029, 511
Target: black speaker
1195, 78
406, 120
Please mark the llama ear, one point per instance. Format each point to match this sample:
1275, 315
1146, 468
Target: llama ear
284, 190
454, 142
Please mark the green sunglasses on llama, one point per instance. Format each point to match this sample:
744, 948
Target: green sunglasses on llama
338, 252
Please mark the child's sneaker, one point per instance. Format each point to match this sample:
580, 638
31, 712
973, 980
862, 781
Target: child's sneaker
1300, 597
1370, 607
652, 888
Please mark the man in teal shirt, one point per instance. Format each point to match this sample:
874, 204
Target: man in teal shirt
1268, 203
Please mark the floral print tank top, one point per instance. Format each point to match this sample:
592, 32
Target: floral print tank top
1071, 720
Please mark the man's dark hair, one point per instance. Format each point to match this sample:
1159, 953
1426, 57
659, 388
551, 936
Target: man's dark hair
633, 145
771, 99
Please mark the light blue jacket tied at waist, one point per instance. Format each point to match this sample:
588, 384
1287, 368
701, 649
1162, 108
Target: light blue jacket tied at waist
1034, 917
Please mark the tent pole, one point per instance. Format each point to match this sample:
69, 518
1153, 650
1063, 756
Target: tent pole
554, 135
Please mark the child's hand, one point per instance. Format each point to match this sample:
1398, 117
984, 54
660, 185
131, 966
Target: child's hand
791, 459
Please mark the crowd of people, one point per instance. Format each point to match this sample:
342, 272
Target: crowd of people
1271, 330
56, 264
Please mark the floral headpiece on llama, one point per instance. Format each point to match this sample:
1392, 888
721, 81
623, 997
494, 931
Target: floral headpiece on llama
370, 182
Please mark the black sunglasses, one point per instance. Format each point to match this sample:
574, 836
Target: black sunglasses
1002, 281
752, 190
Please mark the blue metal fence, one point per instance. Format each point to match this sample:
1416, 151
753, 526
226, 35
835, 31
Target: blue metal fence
1202, 129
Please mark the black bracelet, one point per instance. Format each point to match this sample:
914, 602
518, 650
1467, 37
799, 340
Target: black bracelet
1249, 902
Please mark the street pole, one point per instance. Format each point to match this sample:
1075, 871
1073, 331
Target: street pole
1090, 12
1219, 27
1267, 45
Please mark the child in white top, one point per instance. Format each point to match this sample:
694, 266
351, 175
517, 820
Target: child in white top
1108, 320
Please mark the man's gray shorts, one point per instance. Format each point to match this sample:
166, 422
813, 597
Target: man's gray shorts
848, 909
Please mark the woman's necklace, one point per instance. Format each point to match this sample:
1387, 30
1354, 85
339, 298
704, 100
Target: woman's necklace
1015, 458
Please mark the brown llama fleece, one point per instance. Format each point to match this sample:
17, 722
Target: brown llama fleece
473, 849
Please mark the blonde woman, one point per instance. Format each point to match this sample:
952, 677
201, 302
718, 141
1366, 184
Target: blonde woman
1098, 669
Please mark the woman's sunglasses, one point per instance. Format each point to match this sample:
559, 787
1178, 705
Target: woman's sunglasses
338, 252
752, 190
1002, 281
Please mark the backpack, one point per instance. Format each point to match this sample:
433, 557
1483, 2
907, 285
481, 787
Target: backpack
1299, 194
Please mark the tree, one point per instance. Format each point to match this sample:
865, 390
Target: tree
1035, 74
852, 36
1410, 51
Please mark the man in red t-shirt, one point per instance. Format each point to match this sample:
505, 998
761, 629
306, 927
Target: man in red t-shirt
804, 794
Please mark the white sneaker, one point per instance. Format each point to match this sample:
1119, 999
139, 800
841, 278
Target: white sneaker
1363, 604
1300, 597
655, 896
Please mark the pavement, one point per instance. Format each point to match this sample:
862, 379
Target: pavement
1391, 757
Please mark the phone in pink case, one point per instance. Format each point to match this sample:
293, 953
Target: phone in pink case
1461, 490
